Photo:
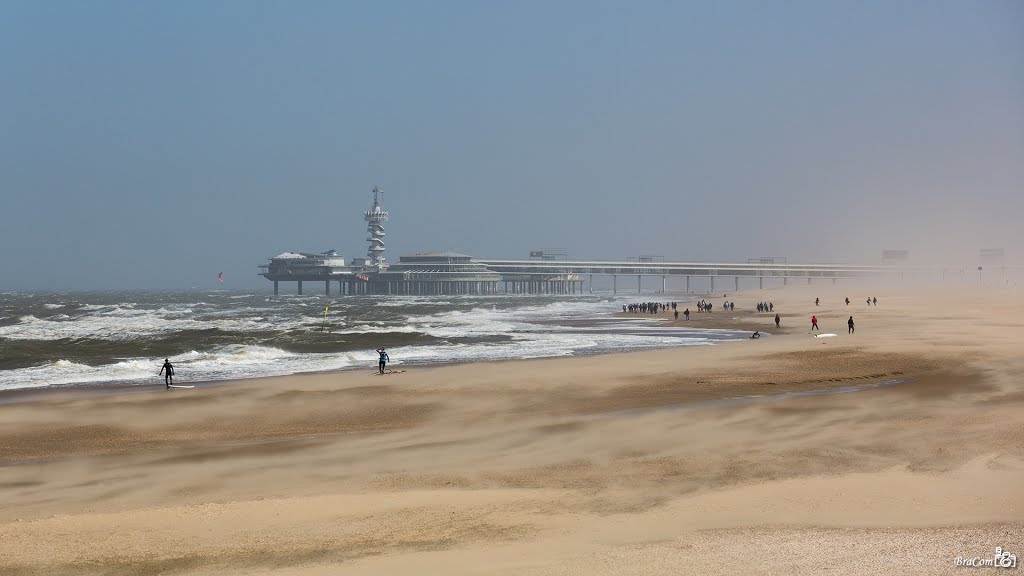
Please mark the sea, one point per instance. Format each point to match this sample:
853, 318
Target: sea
71, 339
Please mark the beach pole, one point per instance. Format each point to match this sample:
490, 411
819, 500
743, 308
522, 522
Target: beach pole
275, 287
638, 278
300, 287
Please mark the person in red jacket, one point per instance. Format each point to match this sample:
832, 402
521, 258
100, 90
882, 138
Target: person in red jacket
814, 323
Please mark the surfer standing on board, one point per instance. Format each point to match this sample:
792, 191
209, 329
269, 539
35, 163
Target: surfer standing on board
168, 371
383, 358
814, 323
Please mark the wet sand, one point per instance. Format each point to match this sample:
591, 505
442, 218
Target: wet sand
559, 466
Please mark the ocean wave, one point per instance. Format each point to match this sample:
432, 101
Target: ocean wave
97, 338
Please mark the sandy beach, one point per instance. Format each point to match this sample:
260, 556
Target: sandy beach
637, 463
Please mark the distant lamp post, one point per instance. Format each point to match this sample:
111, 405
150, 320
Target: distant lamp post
980, 283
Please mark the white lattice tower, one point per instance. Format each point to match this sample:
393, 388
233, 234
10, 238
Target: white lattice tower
375, 231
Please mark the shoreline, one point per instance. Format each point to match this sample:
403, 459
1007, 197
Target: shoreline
16, 395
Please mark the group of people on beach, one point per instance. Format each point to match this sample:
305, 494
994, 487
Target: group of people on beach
765, 307
872, 301
648, 307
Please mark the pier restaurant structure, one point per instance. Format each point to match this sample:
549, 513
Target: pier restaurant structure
427, 273
435, 273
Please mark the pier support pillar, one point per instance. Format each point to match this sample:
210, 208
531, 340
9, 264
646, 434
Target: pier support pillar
327, 288
736, 284
834, 281
712, 285
275, 287
638, 278
785, 280
300, 287
808, 280
687, 284
760, 282
615, 284
591, 283
663, 281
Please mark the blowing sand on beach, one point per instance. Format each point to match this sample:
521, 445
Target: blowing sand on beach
723, 459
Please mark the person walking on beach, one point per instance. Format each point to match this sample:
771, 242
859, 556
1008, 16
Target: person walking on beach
383, 359
850, 324
847, 301
874, 301
168, 372
676, 314
777, 320
814, 323
817, 301
686, 313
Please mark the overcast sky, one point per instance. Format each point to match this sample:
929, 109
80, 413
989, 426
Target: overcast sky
151, 145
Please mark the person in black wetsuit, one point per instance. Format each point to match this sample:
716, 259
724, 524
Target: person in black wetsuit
168, 371
383, 359
777, 320
850, 324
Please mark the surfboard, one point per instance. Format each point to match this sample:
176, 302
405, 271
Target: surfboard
824, 335
181, 386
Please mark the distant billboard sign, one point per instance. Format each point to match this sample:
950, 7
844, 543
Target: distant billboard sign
895, 254
767, 260
536, 253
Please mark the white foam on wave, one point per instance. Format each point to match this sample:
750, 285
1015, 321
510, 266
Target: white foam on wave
125, 324
65, 373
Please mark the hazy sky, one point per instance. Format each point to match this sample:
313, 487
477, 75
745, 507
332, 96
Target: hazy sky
147, 144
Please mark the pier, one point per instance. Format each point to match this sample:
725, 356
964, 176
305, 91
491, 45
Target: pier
451, 273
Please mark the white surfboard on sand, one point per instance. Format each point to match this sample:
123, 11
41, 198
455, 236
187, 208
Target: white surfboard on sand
824, 335
181, 386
